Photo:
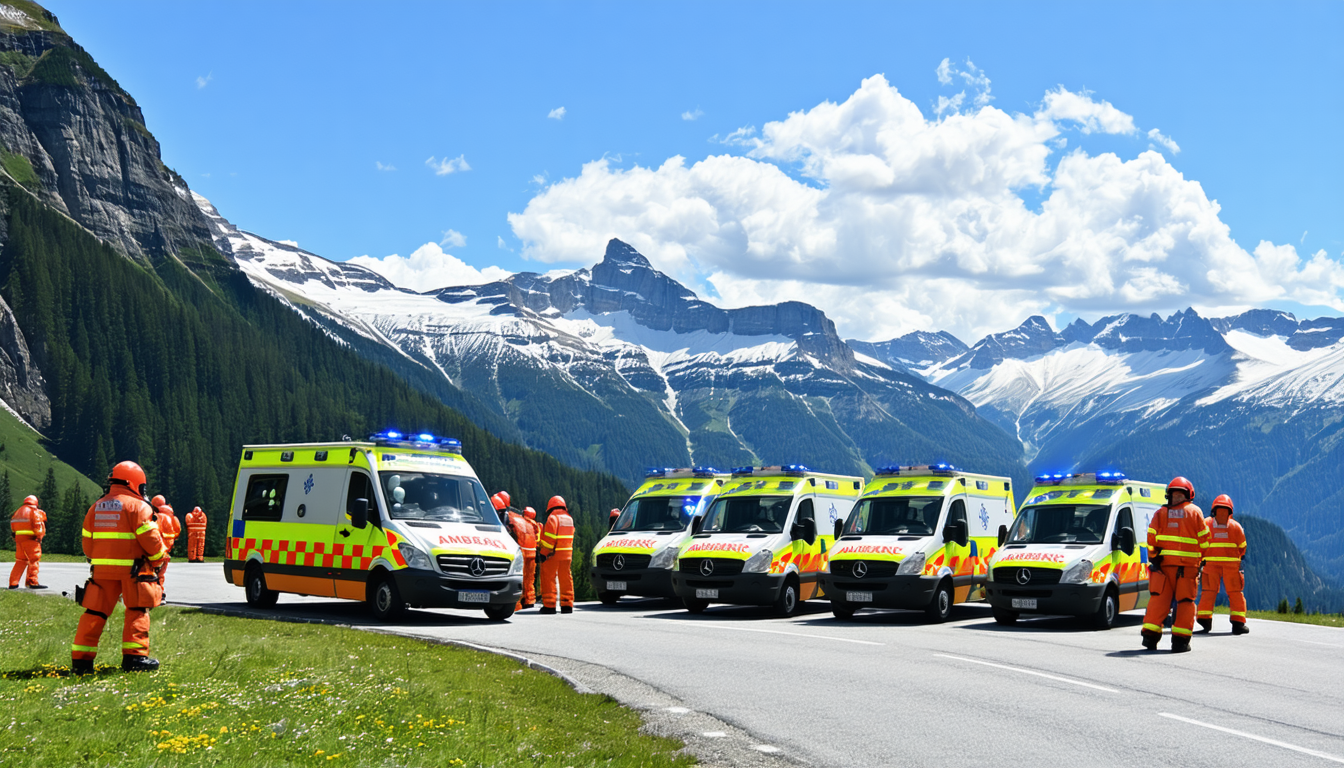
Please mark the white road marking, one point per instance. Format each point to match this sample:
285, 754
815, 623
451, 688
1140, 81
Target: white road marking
1030, 672
1244, 735
790, 634
765, 748
678, 710
714, 734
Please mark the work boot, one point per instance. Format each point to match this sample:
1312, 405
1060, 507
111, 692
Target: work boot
1150, 640
139, 664
37, 586
548, 609
566, 609
81, 666
13, 586
1180, 644
1240, 628
1205, 625
525, 606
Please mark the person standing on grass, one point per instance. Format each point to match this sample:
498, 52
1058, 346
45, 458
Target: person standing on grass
196, 536
29, 526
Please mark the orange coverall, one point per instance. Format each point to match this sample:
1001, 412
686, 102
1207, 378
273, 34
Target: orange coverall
1178, 535
526, 536
169, 528
124, 545
195, 536
557, 546
29, 525
1222, 567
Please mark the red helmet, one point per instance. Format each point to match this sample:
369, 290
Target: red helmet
30, 501
1181, 484
498, 502
129, 474
158, 500
506, 497
529, 513
1223, 500
197, 510
615, 513
555, 503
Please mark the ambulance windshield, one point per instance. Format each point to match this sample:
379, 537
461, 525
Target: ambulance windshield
662, 513
1060, 524
444, 498
896, 516
748, 514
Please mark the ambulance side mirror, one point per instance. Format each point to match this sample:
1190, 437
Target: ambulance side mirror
697, 523
956, 532
611, 523
359, 515
1003, 534
839, 526
805, 530
1124, 540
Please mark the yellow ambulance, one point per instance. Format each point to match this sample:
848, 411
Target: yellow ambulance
920, 537
637, 554
1075, 548
393, 521
765, 539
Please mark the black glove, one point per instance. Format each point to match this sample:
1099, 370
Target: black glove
1155, 561
541, 559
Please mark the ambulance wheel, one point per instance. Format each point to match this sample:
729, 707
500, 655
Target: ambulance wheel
940, 607
608, 598
254, 584
843, 611
499, 612
695, 604
385, 600
787, 602
1005, 617
1108, 611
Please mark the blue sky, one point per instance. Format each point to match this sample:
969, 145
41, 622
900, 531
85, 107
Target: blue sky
281, 112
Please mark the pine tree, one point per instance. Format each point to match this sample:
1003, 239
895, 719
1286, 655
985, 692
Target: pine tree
7, 535
49, 499
74, 505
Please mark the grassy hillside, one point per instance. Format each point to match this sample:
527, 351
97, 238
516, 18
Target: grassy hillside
26, 463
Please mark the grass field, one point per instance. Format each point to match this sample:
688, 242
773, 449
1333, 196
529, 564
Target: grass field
27, 461
1320, 619
246, 692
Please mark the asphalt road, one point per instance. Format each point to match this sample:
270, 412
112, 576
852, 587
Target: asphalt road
886, 689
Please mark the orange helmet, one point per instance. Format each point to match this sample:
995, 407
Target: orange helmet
615, 513
129, 474
30, 501
1223, 500
1181, 484
197, 510
158, 500
498, 502
506, 497
555, 503
529, 513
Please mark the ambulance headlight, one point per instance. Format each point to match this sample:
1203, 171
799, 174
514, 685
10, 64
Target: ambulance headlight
759, 562
664, 558
1078, 573
516, 567
414, 557
912, 565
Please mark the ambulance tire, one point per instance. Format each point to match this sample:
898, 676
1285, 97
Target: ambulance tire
608, 598
695, 604
1004, 617
385, 599
499, 612
254, 585
940, 607
843, 611
1108, 611
787, 603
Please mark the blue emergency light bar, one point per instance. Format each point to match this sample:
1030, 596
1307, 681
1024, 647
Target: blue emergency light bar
783, 469
941, 469
657, 471
705, 471
420, 440
1082, 478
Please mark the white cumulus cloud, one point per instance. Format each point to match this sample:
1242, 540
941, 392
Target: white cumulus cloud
453, 239
891, 220
556, 114
447, 165
429, 268
1157, 138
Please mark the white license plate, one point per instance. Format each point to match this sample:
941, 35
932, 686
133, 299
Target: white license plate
473, 596
1028, 603
859, 597
616, 586
707, 594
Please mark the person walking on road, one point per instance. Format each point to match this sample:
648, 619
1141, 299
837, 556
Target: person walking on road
29, 526
1177, 542
1222, 567
525, 534
125, 549
555, 553
196, 536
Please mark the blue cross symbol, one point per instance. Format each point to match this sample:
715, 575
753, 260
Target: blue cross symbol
984, 517
307, 485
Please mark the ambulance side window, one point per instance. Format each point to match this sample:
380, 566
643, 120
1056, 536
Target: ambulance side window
958, 512
1124, 520
265, 498
361, 487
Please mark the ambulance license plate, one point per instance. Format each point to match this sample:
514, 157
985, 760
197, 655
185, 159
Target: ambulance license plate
859, 597
473, 596
616, 586
706, 594
1025, 602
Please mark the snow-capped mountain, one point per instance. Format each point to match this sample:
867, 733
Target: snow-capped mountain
619, 366
912, 352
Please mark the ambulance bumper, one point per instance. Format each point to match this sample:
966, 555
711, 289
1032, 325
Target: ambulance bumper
738, 589
429, 589
643, 582
913, 591
1058, 599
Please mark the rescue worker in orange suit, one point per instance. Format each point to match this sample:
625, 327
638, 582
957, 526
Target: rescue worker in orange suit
169, 528
196, 536
499, 505
1178, 540
29, 526
530, 566
1222, 567
124, 546
555, 553
525, 534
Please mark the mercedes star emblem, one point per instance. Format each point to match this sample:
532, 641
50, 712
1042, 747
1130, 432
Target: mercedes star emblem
706, 567
477, 566
860, 569
618, 562
1024, 575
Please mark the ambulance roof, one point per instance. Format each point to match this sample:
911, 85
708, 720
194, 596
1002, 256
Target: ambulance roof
1096, 493
940, 485
789, 479
429, 454
681, 486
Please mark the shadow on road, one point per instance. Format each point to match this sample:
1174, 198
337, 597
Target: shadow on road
1054, 624
738, 613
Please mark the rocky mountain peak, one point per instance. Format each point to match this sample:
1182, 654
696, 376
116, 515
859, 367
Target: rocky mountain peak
619, 252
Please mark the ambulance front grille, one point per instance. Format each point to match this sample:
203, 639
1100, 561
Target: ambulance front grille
722, 566
629, 562
460, 565
1009, 575
876, 568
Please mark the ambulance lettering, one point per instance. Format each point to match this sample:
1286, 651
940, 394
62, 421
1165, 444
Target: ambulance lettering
1032, 557
629, 544
477, 540
741, 549
865, 549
